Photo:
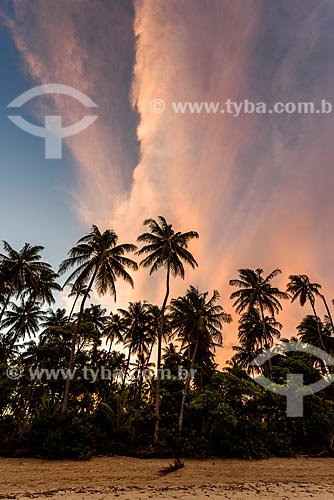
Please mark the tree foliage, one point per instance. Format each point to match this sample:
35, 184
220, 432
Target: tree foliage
107, 358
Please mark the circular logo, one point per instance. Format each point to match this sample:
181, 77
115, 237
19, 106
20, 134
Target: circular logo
14, 372
157, 105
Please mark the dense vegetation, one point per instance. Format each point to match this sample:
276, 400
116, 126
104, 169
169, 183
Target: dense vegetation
115, 402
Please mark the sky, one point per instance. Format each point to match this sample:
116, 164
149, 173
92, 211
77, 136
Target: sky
257, 187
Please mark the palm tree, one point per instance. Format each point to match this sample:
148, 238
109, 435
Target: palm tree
55, 318
91, 330
3, 287
300, 287
96, 315
196, 319
22, 320
250, 329
245, 353
172, 358
136, 337
46, 285
308, 332
250, 335
76, 292
255, 291
114, 328
154, 315
99, 261
164, 249
140, 367
329, 315
23, 270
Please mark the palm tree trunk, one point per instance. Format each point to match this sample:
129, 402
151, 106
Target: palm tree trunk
160, 334
266, 345
150, 353
328, 312
73, 306
127, 368
140, 379
318, 326
186, 388
73, 343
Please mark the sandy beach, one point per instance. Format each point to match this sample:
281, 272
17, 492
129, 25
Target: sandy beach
126, 478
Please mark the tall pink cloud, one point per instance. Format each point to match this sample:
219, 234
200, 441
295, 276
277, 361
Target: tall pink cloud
256, 187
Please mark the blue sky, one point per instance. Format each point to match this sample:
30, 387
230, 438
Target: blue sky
35, 204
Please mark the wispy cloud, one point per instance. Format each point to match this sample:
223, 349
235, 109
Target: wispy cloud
88, 45
257, 188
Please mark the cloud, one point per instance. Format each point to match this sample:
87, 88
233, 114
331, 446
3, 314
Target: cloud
88, 45
254, 186
258, 188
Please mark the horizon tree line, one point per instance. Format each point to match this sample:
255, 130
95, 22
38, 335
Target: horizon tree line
194, 321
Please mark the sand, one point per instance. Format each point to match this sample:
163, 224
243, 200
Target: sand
123, 478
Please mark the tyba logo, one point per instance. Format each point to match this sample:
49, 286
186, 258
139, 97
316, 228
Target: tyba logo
294, 390
53, 132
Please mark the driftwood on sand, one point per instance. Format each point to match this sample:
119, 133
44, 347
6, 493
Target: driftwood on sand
178, 464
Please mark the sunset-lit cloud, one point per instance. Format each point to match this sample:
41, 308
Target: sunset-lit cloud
257, 188
91, 49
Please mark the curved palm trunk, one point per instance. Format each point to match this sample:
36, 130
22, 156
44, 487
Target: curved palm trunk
73, 343
73, 306
318, 326
265, 338
158, 383
186, 388
149, 355
328, 312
